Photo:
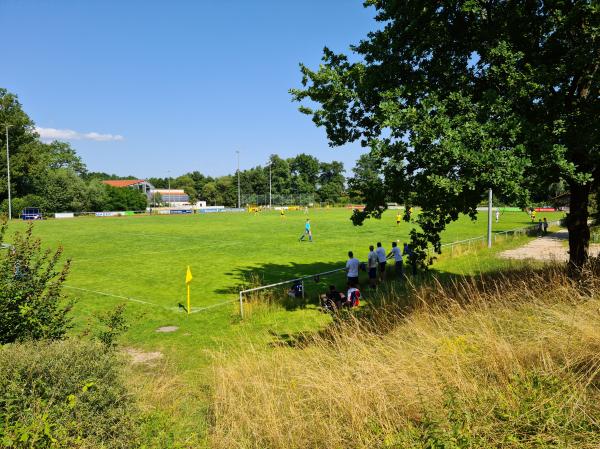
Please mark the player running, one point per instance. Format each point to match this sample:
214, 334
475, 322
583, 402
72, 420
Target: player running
307, 231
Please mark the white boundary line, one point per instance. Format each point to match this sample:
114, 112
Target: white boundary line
114, 296
194, 310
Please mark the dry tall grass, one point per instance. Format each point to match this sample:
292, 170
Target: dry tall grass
510, 360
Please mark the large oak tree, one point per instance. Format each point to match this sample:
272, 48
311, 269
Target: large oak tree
457, 96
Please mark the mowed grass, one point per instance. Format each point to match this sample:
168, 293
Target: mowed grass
142, 261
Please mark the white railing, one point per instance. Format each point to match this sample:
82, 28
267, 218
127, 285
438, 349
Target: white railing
515, 231
337, 270
288, 281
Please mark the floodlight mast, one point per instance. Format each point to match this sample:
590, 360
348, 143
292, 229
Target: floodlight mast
169, 187
6, 125
238, 176
270, 194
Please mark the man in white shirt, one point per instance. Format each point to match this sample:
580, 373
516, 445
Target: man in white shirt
397, 255
372, 263
352, 269
381, 259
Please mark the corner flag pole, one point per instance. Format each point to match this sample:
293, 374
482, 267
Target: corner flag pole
188, 280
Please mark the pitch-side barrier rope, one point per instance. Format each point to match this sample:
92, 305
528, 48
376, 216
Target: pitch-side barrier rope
337, 270
289, 281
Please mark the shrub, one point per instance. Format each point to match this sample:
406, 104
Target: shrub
63, 394
32, 306
113, 324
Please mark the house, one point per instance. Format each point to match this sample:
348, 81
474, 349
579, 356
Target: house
143, 186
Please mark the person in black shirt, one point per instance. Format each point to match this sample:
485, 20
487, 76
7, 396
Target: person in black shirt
332, 300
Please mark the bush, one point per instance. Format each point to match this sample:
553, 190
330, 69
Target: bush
32, 306
63, 394
124, 199
18, 204
113, 324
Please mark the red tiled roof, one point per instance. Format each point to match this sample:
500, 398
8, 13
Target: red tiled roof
122, 182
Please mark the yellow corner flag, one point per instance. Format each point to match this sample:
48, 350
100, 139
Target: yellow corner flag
188, 280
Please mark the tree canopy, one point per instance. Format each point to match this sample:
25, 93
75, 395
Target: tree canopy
456, 97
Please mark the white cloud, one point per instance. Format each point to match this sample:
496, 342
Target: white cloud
68, 134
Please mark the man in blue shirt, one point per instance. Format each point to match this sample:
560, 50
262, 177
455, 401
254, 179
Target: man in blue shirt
307, 231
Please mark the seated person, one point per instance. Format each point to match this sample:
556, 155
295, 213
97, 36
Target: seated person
352, 298
332, 300
296, 290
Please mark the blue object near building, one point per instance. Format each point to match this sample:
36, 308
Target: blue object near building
31, 213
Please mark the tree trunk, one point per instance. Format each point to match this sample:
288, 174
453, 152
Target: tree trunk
579, 231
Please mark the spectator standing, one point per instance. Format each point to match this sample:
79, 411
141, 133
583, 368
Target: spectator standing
545, 224
382, 261
372, 263
409, 253
397, 255
540, 228
352, 266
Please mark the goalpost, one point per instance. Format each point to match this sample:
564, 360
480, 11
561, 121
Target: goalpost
260, 199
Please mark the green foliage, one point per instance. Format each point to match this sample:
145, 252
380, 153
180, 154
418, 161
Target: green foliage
331, 182
37, 168
65, 394
113, 324
534, 411
455, 98
123, 199
32, 306
18, 204
63, 191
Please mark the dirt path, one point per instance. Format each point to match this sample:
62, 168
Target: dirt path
552, 247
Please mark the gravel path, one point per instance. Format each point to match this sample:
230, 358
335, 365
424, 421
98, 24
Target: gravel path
553, 247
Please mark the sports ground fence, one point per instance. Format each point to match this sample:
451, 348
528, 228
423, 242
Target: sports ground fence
469, 243
452, 246
277, 199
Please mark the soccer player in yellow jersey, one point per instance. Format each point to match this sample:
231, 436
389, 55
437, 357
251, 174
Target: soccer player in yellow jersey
398, 219
282, 213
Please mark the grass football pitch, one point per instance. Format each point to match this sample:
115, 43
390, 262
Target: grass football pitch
142, 261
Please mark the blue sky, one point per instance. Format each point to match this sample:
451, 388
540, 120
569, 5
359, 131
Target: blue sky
147, 87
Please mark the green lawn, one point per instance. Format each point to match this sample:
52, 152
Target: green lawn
142, 261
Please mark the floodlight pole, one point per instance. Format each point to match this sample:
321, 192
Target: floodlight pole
169, 186
8, 174
270, 194
489, 233
238, 176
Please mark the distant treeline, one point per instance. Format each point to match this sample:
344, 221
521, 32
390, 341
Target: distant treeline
53, 177
303, 175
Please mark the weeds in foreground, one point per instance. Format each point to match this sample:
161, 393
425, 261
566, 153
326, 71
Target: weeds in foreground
505, 360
